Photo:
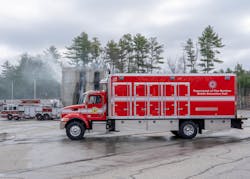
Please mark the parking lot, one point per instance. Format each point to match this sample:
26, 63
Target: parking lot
38, 149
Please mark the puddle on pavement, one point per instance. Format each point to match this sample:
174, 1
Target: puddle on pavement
6, 136
120, 144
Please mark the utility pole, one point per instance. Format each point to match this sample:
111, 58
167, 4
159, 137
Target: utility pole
34, 89
12, 90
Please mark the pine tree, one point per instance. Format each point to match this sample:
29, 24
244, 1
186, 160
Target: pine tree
228, 70
95, 49
7, 70
191, 56
243, 84
53, 53
140, 52
112, 55
80, 49
155, 52
126, 53
210, 43
238, 69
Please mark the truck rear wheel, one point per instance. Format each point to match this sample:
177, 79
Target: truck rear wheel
9, 117
39, 116
75, 130
188, 130
46, 117
16, 118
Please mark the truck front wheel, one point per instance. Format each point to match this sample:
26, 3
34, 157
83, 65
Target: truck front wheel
9, 116
188, 130
75, 130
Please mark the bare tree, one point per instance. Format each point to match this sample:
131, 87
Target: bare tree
175, 66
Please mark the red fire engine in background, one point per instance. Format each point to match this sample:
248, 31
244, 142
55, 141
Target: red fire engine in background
182, 104
30, 108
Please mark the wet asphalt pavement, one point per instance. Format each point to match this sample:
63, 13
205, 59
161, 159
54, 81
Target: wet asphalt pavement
38, 149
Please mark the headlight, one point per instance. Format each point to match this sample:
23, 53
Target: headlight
64, 119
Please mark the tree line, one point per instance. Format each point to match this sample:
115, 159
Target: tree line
140, 54
32, 76
129, 54
199, 56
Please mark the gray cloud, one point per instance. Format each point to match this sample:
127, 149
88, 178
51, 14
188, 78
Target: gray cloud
32, 26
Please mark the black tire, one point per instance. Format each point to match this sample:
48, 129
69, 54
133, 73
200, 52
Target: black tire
188, 130
9, 116
16, 118
46, 117
75, 130
39, 116
176, 133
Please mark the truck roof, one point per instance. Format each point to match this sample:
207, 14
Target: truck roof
183, 74
93, 91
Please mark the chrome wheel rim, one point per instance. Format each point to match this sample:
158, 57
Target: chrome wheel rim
75, 131
188, 130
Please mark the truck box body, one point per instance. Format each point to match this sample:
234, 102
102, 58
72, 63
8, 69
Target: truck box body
142, 96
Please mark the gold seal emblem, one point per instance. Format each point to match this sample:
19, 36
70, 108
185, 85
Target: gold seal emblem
94, 110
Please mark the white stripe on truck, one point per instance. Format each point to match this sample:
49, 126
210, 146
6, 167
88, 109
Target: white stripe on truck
177, 98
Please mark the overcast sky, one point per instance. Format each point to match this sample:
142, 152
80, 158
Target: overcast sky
33, 25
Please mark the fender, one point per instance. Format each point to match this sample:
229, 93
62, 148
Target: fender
68, 117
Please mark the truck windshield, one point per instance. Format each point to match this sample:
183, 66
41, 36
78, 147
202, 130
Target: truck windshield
82, 99
103, 86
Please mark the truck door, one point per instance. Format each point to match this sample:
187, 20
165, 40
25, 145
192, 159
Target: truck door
169, 99
121, 99
140, 99
26, 111
154, 99
95, 107
32, 111
183, 99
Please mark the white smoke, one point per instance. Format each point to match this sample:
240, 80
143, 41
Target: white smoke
53, 66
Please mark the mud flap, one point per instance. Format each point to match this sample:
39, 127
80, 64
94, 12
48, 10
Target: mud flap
236, 123
110, 125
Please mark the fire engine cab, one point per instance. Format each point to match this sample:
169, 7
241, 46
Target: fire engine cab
182, 104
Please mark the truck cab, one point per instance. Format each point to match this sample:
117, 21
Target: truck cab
10, 111
78, 118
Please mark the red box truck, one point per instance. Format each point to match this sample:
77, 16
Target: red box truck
183, 104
